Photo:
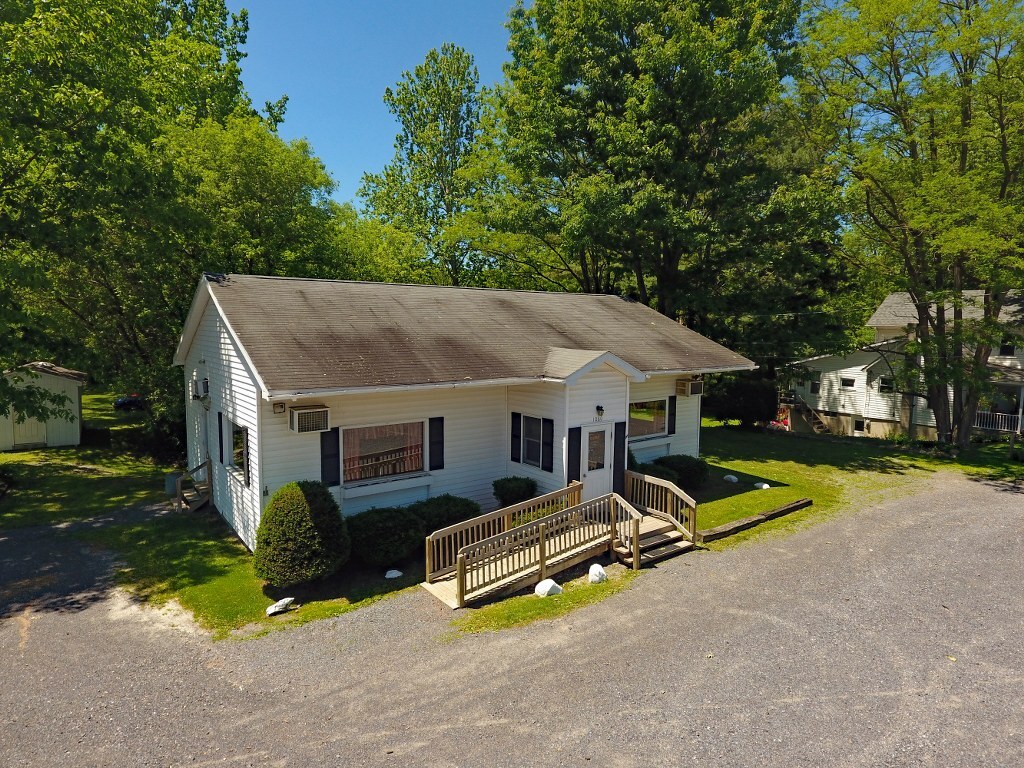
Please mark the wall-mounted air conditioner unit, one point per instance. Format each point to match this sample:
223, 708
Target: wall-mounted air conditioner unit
686, 388
309, 418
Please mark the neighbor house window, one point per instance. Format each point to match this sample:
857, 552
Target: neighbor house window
648, 417
858, 425
847, 383
392, 449
815, 387
1008, 348
885, 385
240, 449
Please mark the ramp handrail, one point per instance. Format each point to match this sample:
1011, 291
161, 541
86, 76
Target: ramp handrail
537, 544
665, 499
443, 545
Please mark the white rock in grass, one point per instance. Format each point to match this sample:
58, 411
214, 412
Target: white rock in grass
280, 606
597, 574
762, 486
393, 574
548, 587
731, 479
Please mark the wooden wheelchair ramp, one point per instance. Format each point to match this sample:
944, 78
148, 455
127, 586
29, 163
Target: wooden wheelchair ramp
510, 549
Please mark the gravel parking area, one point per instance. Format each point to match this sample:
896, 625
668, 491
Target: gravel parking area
887, 636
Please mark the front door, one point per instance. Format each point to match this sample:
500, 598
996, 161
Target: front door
29, 432
596, 458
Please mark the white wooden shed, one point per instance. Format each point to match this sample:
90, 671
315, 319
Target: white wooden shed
55, 432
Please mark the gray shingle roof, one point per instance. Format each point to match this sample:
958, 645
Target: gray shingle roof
307, 335
897, 310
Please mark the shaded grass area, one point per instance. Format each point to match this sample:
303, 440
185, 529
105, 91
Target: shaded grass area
833, 472
98, 412
526, 609
58, 485
196, 560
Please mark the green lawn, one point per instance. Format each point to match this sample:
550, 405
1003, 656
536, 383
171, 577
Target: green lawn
58, 485
833, 472
526, 609
98, 411
195, 559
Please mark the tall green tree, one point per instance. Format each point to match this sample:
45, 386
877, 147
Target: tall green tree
424, 189
642, 114
929, 95
642, 147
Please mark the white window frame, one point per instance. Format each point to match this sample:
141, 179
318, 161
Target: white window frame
240, 472
523, 440
648, 435
425, 452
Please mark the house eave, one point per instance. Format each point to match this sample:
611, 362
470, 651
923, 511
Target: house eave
306, 394
702, 371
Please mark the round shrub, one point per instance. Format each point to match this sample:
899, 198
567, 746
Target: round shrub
385, 535
441, 511
691, 472
657, 470
512, 490
302, 536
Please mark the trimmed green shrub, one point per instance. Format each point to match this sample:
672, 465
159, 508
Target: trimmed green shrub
691, 472
658, 470
301, 537
512, 490
384, 536
441, 511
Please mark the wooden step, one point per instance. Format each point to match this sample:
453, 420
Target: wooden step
651, 526
651, 541
660, 553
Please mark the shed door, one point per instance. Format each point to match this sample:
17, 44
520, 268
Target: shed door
596, 459
29, 432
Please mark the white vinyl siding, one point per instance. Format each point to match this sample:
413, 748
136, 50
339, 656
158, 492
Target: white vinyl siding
686, 440
233, 392
55, 432
602, 386
475, 445
544, 400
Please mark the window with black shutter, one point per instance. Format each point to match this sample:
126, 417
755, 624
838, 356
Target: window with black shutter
220, 437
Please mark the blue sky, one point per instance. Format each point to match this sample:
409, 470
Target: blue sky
334, 58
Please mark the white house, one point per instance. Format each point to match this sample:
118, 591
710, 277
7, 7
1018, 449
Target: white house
855, 394
392, 393
56, 431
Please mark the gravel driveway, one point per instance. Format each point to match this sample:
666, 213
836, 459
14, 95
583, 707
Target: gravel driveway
889, 636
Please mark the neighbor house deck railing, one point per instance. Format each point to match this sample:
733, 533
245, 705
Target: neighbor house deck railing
997, 422
542, 544
443, 546
663, 498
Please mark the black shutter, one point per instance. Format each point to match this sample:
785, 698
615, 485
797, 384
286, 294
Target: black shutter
220, 437
619, 459
330, 457
672, 415
437, 443
572, 472
547, 445
517, 437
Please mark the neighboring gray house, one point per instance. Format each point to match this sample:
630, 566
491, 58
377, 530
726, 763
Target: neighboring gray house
392, 393
855, 394
54, 432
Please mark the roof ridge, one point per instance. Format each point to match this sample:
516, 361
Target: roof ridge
336, 281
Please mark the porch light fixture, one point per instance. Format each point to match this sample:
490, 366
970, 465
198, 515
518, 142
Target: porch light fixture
600, 413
